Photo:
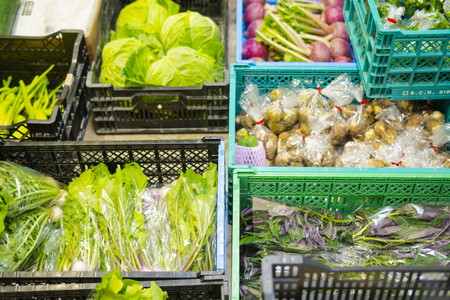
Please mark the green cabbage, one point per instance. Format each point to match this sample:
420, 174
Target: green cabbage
125, 53
190, 29
182, 66
144, 17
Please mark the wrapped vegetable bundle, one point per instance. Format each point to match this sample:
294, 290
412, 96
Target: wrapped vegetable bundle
337, 128
410, 235
103, 221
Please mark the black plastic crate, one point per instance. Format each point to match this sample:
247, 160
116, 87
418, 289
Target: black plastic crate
295, 277
161, 161
25, 57
80, 285
160, 109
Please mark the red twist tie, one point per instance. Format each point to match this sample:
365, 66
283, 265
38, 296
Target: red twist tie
397, 164
391, 20
260, 122
319, 89
364, 101
430, 105
303, 137
340, 109
434, 148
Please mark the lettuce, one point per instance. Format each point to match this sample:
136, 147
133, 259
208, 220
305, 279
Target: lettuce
113, 286
182, 66
124, 57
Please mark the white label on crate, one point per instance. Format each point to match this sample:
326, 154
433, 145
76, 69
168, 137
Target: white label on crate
27, 8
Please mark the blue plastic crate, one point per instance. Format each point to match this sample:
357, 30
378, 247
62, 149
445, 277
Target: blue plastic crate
240, 40
268, 78
394, 63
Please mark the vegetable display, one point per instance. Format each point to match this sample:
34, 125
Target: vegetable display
113, 286
385, 236
334, 127
27, 102
414, 15
156, 45
103, 221
296, 30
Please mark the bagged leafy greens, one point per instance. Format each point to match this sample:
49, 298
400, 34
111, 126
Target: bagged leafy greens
23, 189
387, 236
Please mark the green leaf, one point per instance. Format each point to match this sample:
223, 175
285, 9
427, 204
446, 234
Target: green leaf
182, 66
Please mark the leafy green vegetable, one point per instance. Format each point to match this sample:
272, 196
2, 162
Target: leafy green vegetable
182, 49
190, 210
113, 286
103, 225
182, 66
23, 189
144, 17
190, 29
23, 235
408, 235
120, 57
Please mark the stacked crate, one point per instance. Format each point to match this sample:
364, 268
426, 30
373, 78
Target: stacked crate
394, 64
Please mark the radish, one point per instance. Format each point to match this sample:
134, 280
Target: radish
333, 14
320, 52
78, 266
343, 59
253, 48
250, 32
257, 59
248, 2
340, 47
333, 2
340, 30
254, 11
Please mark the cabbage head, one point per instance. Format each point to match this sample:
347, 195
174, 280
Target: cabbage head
182, 66
143, 20
128, 54
194, 30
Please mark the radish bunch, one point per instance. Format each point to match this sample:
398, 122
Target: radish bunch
296, 30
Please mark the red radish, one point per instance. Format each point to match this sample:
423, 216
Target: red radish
320, 52
340, 47
248, 2
333, 14
343, 59
254, 11
250, 31
333, 2
253, 48
340, 30
257, 59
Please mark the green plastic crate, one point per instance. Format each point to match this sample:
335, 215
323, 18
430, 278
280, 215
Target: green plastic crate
337, 190
397, 64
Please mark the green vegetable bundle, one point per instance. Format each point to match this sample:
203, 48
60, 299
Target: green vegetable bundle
409, 235
414, 14
113, 286
27, 102
28, 206
155, 45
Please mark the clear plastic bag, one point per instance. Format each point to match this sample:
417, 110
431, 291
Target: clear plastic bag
315, 149
282, 112
315, 111
255, 105
354, 154
442, 135
290, 145
342, 91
